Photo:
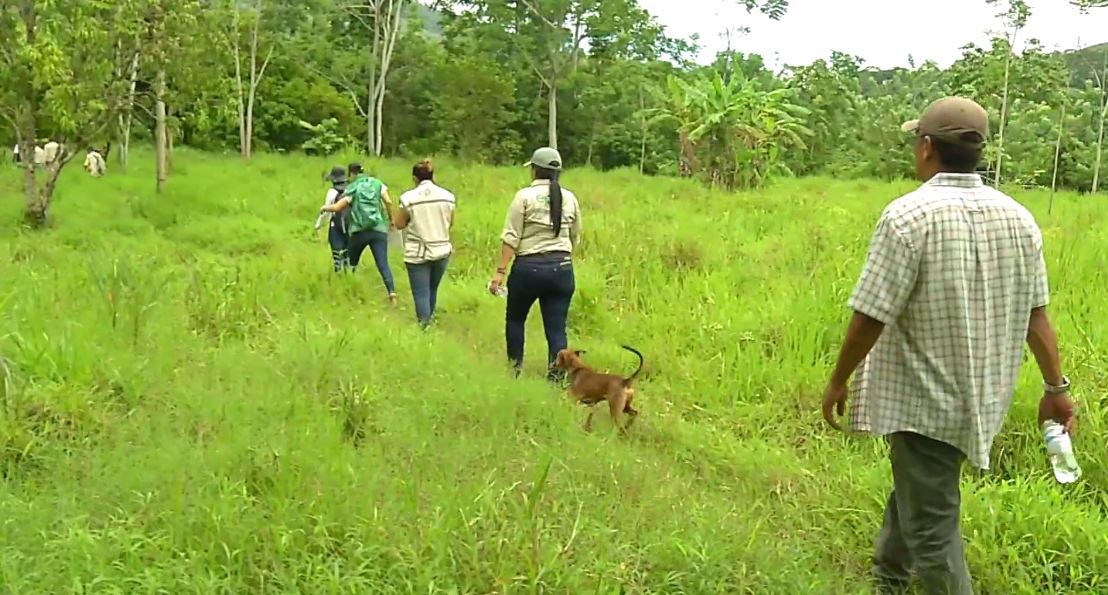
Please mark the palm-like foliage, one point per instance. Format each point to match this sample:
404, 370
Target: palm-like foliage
731, 133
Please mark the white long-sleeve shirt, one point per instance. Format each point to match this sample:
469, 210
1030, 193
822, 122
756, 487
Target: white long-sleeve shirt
94, 164
332, 196
53, 151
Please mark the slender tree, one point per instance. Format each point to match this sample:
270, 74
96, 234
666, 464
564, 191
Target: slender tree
382, 21
68, 45
1102, 85
246, 85
1015, 17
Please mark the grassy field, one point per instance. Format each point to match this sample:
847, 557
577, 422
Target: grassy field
194, 403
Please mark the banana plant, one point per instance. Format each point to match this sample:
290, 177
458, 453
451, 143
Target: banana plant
733, 133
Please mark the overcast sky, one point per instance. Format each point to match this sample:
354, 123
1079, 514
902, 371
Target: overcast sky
883, 32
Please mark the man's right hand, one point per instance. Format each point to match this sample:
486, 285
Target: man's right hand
1058, 407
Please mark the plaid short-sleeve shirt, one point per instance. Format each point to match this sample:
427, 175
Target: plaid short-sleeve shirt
953, 271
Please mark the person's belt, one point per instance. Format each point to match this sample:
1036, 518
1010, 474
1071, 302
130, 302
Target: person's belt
554, 257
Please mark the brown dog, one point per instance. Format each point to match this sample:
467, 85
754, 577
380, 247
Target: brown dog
590, 387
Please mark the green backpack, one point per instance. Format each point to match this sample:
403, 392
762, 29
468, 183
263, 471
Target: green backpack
366, 207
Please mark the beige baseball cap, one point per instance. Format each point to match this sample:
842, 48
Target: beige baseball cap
956, 120
546, 158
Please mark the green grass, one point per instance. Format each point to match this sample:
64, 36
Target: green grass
193, 403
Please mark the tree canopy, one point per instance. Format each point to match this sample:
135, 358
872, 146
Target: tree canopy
490, 79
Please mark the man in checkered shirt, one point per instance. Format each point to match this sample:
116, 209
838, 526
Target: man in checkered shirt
953, 285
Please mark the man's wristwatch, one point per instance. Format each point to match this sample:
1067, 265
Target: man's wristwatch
1059, 389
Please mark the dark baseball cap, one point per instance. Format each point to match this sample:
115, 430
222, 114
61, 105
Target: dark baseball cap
956, 120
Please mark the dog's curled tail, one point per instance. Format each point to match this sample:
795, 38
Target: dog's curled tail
627, 381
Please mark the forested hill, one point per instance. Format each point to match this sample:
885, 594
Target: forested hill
1086, 62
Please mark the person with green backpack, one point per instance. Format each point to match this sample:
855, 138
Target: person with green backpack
370, 220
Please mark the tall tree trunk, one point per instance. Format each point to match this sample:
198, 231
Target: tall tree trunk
1003, 115
246, 115
240, 96
161, 174
124, 137
248, 142
378, 114
126, 117
168, 143
1057, 155
387, 20
371, 120
552, 114
1099, 145
160, 146
35, 213
1102, 82
643, 128
376, 51
371, 91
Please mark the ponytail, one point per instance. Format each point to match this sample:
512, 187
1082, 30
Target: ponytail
551, 175
555, 204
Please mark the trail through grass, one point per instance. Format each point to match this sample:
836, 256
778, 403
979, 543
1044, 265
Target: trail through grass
193, 403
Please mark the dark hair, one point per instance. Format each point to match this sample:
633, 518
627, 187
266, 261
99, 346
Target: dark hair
354, 168
542, 173
424, 170
958, 158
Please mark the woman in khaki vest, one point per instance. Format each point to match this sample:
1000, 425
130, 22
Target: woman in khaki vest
541, 230
426, 215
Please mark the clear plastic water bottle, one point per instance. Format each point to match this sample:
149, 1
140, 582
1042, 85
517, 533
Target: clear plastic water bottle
1059, 450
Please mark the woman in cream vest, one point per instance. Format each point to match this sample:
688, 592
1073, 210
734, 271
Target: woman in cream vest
426, 216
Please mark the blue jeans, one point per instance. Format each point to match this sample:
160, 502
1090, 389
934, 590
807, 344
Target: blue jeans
550, 281
378, 244
338, 241
424, 279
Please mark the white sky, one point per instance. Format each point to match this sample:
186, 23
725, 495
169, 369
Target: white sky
883, 32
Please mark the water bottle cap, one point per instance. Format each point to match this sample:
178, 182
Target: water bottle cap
1052, 429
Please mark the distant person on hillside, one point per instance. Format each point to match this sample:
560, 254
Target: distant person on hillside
426, 215
338, 223
953, 285
541, 230
94, 163
15, 154
52, 151
370, 219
